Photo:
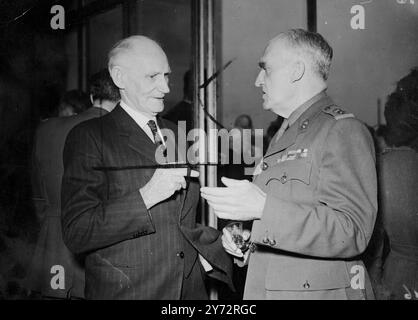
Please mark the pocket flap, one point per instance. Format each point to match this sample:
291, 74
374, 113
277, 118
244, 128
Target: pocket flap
292, 170
299, 274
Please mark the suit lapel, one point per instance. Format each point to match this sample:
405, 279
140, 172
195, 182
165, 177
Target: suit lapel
289, 137
136, 138
139, 141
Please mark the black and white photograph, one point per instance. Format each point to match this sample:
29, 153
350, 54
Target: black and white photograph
227, 152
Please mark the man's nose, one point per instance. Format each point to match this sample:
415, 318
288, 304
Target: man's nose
260, 79
163, 85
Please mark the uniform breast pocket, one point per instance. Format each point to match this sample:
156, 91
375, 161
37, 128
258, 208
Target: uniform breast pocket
291, 178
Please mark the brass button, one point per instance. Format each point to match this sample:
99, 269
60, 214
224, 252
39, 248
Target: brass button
304, 124
283, 178
264, 166
265, 240
306, 285
273, 242
180, 254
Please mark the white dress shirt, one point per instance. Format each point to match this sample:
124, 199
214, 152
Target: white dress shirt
141, 120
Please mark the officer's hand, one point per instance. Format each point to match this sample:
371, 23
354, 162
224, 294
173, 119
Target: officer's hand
240, 200
230, 246
163, 184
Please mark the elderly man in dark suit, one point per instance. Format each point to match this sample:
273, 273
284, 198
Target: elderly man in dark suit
66, 280
136, 223
314, 195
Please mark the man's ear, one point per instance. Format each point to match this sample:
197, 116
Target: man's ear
298, 70
117, 76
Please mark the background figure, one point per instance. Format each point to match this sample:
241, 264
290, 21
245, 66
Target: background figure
395, 268
103, 92
47, 171
73, 102
243, 122
183, 111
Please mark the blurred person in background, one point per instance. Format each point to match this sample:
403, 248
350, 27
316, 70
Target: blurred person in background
103, 92
73, 102
394, 270
47, 171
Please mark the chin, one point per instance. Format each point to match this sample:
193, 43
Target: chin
266, 106
158, 108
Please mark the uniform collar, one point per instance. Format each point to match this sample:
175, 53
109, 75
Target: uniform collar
301, 121
305, 106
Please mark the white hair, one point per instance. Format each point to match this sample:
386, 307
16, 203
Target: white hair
313, 46
126, 46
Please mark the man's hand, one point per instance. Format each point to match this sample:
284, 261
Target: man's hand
240, 200
163, 184
230, 247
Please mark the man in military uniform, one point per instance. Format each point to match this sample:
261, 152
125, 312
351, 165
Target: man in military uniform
313, 198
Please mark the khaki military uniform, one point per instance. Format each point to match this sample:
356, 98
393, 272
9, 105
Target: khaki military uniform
320, 181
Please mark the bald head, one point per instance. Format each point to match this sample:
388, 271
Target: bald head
139, 68
134, 47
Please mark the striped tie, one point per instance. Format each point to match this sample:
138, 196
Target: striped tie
157, 138
153, 127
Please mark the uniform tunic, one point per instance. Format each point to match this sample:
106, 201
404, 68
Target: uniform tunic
320, 182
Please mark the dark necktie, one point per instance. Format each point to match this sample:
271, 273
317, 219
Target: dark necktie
153, 127
157, 138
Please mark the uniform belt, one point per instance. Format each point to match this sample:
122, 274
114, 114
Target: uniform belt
264, 248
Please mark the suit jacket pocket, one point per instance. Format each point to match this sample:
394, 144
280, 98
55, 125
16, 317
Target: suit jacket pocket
300, 274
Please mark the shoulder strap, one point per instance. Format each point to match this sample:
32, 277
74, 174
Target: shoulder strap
337, 112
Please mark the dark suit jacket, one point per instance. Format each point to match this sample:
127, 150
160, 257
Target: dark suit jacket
47, 171
132, 252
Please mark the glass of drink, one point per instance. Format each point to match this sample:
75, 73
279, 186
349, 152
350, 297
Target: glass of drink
235, 228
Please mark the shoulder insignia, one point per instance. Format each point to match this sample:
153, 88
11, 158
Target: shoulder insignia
337, 112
